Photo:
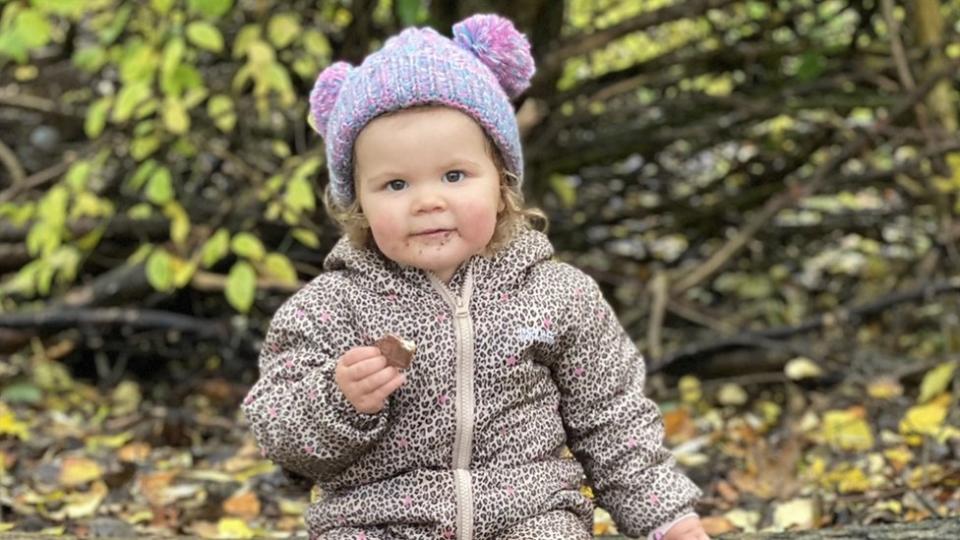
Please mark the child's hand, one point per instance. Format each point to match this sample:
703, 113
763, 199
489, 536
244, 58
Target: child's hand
687, 529
365, 378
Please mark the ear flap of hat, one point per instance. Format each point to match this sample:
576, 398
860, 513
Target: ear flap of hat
501, 47
324, 95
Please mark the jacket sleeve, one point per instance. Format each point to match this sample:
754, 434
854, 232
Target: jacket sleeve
300, 418
613, 429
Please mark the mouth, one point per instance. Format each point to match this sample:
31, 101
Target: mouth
433, 233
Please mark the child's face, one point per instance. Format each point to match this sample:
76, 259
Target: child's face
428, 187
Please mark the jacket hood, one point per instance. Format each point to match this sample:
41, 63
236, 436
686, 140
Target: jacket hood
371, 269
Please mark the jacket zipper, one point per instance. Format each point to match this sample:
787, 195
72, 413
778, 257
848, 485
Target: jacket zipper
463, 438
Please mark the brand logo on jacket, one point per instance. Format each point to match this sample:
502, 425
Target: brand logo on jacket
533, 334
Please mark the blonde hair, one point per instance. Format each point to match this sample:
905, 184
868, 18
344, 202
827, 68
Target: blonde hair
514, 217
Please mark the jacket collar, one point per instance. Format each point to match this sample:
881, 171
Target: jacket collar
369, 269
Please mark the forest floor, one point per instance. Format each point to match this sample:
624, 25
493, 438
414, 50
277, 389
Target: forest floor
771, 454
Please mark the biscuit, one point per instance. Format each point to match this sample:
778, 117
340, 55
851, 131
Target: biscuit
398, 351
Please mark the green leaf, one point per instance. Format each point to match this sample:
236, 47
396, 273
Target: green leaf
316, 44
33, 28
307, 238
160, 187
564, 189
172, 55
175, 117
90, 59
282, 29
131, 95
179, 222
205, 35
139, 63
279, 267
408, 11
143, 172
77, 175
811, 66
161, 6
220, 109
97, 117
159, 270
21, 392
118, 21
215, 248
241, 286
210, 8
143, 147
247, 245
299, 195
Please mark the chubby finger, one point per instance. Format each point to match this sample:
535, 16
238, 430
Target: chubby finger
389, 387
372, 382
366, 367
358, 354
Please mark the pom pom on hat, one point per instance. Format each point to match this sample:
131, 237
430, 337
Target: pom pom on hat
324, 94
501, 47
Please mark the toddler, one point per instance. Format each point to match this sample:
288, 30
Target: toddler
518, 357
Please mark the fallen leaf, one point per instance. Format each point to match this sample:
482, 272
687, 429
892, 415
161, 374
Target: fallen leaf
936, 381
797, 514
802, 368
717, 525
242, 504
9, 425
744, 520
732, 395
926, 420
884, 387
79, 470
678, 426
84, 504
234, 528
847, 430
690, 391
603, 523
135, 452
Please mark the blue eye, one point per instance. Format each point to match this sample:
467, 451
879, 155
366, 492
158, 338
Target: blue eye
454, 176
396, 185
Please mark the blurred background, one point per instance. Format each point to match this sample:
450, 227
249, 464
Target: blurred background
767, 191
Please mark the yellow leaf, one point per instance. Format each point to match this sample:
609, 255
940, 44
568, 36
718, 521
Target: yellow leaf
234, 528
936, 381
108, 441
77, 471
586, 491
898, 457
603, 523
849, 480
925, 475
802, 368
924, 420
847, 430
690, 391
82, 505
732, 395
4, 527
9, 425
884, 387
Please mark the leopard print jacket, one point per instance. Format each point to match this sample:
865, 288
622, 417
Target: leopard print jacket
519, 358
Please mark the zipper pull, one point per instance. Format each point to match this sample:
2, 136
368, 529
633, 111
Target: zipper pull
462, 311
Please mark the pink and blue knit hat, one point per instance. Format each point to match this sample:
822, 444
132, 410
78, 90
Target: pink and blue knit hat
486, 64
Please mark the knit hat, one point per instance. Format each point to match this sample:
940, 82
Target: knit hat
486, 64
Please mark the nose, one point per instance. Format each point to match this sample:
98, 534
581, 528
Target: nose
428, 199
